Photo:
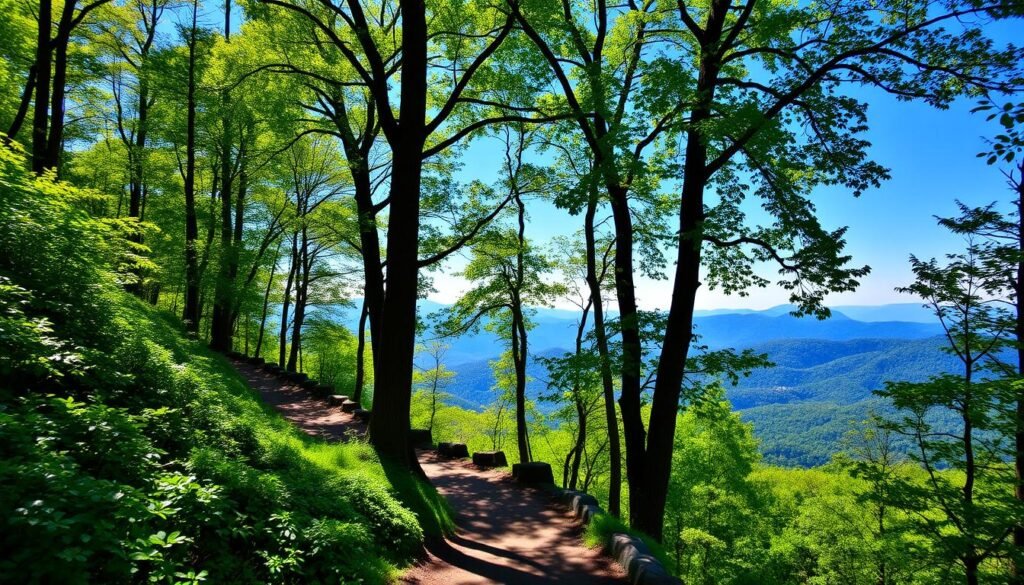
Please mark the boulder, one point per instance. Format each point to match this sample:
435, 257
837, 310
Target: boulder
337, 399
534, 472
349, 406
421, 438
362, 414
453, 450
490, 459
587, 512
646, 570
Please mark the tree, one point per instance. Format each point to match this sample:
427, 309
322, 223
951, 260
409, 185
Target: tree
965, 505
434, 378
749, 76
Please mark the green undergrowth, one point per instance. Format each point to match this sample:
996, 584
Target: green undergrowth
603, 526
129, 453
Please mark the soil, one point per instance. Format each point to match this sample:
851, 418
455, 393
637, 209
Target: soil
505, 532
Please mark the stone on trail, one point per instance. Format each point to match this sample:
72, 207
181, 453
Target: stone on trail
349, 406
337, 400
453, 450
421, 438
490, 459
534, 472
362, 414
581, 500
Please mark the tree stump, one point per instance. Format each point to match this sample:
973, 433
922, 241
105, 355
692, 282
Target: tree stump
337, 400
490, 459
534, 472
256, 360
453, 450
349, 406
362, 414
309, 384
421, 438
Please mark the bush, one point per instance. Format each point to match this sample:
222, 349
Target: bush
129, 453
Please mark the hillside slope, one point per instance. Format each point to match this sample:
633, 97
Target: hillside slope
130, 453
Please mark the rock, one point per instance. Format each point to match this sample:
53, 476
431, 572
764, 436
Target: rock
581, 500
421, 438
362, 414
566, 496
535, 472
349, 406
337, 399
646, 570
256, 360
453, 450
490, 459
586, 513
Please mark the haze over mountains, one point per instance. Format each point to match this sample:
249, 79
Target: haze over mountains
822, 382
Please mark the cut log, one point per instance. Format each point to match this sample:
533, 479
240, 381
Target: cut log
349, 406
452, 450
534, 472
297, 377
362, 414
490, 459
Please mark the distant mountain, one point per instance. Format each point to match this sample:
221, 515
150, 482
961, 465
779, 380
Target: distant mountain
556, 328
802, 407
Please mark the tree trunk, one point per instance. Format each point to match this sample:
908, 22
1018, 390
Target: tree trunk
223, 301
26, 101
357, 392
607, 383
282, 341
394, 348
41, 113
301, 298
266, 301
55, 139
191, 309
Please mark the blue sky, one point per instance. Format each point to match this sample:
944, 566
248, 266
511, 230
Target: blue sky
932, 157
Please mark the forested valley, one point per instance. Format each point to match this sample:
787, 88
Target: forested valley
192, 191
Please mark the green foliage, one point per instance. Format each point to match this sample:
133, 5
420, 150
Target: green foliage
130, 454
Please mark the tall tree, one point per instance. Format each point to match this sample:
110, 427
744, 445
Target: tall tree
967, 514
747, 77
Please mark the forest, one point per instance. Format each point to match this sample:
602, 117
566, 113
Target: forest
188, 186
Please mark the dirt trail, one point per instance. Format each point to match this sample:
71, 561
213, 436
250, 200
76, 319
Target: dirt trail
506, 533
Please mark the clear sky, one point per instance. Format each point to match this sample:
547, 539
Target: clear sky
932, 157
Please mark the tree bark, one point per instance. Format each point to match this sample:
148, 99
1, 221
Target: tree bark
41, 113
266, 301
191, 307
394, 348
26, 101
607, 383
357, 392
1018, 530
282, 341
